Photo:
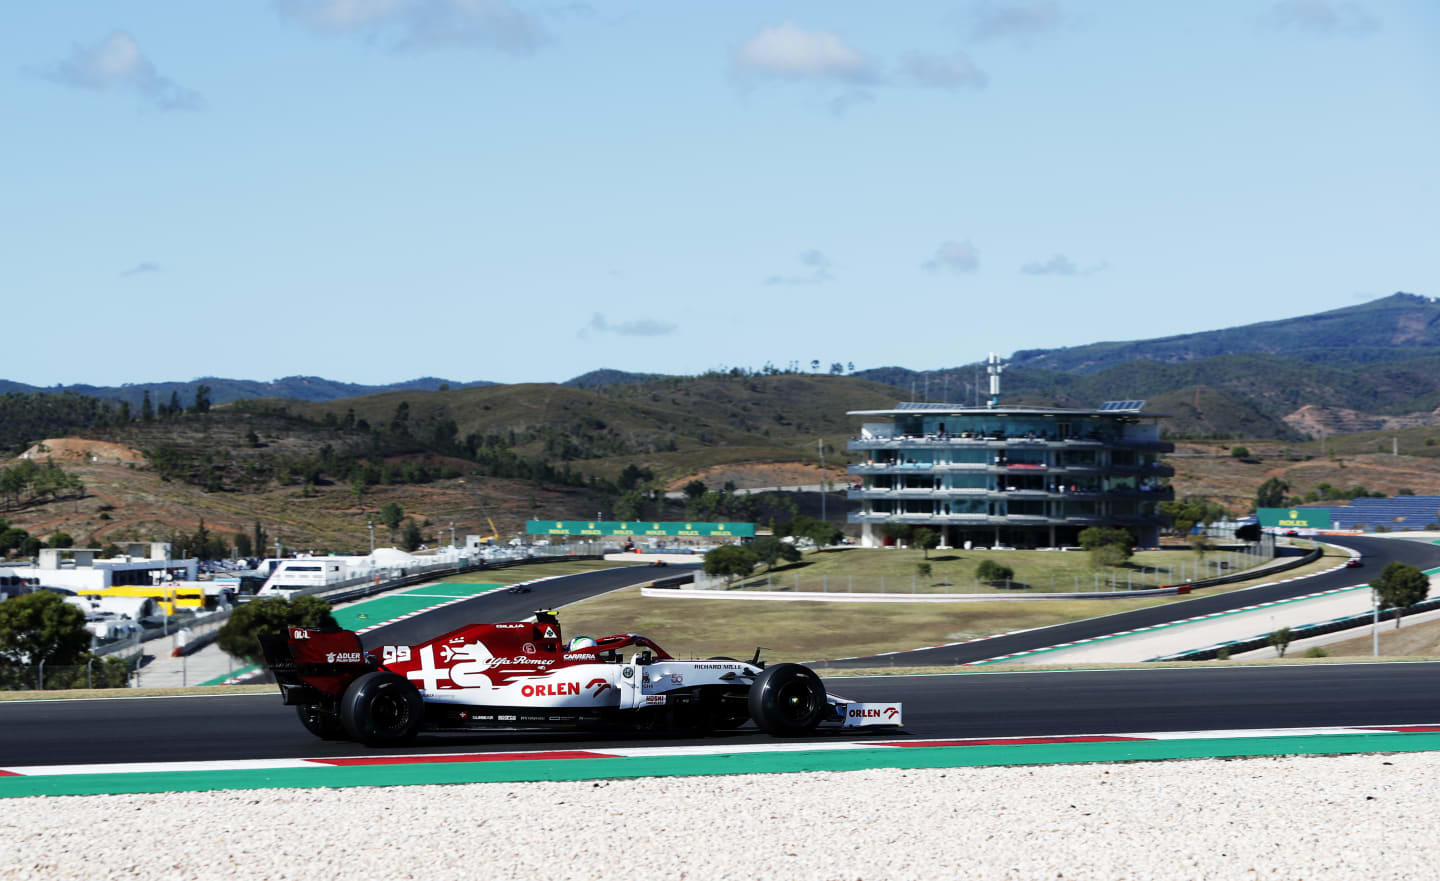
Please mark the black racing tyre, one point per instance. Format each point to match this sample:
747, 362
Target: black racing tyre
323, 725
787, 699
380, 709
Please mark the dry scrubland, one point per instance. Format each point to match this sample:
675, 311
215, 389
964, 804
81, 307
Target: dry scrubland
137, 504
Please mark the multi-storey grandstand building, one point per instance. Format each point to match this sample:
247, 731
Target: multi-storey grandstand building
1010, 477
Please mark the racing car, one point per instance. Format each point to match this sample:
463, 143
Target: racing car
521, 675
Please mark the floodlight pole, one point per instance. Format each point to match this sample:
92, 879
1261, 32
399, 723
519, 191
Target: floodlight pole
371, 524
820, 443
1375, 623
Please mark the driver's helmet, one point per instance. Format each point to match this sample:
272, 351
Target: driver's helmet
580, 643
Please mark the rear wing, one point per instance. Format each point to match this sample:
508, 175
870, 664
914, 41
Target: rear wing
314, 666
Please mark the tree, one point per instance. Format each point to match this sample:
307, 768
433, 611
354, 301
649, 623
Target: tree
60, 540
821, 532
239, 635
1280, 639
1399, 585
410, 536
1271, 493
41, 626
202, 399
175, 408
391, 515
1186, 514
261, 539
896, 532
923, 569
627, 507
815, 365
991, 572
147, 409
242, 544
1108, 545
729, 562
926, 539
695, 489
771, 550
836, 368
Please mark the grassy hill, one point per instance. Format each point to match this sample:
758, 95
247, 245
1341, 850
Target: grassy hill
671, 424
1397, 327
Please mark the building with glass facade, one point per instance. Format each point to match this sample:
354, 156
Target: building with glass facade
1021, 477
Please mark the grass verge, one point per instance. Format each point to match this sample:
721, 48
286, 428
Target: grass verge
799, 630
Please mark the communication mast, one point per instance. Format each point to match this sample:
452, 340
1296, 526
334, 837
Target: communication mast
994, 368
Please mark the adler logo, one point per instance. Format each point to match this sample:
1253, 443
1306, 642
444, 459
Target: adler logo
342, 657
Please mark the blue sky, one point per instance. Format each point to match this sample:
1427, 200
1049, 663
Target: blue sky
372, 190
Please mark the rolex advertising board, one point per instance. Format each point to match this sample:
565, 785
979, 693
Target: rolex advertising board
1294, 518
640, 528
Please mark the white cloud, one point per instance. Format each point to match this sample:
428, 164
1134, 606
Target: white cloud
638, 327
817, 264
421, 24
116, 62
945, 71
1016, 19
1322, 17
954, 256
1057, 265
140, 269
791, 52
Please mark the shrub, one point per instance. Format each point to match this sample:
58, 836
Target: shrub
1316, 652
1240, 452
991, 572
923, 570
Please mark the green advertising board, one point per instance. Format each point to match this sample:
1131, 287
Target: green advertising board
1294, 518
640, 528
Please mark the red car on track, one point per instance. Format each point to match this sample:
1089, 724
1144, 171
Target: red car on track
522, 675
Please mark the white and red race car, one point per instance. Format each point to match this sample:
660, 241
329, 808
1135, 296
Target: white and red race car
521, 675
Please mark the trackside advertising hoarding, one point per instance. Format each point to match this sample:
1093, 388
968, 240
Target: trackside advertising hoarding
640, 528
1294, 518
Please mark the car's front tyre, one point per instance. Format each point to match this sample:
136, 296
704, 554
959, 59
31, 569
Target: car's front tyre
787, 699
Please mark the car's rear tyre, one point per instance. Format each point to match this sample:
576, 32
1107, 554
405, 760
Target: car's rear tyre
787, 699
326, 726
381, 709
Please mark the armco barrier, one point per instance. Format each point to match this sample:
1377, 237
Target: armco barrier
671, 592
1314, 554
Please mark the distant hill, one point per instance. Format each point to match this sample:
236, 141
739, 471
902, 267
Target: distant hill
668, 423
607, 376
1274, 379
1397, 327
224, 391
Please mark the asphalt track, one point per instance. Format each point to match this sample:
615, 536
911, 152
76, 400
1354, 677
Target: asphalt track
973, 705
1376, 551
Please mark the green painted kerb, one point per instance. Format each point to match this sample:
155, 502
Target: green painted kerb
737, 763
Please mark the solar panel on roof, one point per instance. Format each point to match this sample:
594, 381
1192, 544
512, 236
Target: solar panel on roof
1123, 405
